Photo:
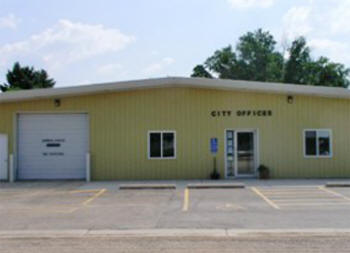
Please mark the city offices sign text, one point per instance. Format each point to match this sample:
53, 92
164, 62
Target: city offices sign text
241, 113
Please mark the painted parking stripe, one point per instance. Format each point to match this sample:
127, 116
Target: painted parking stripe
296, 196
315, 191
313, 204
186, 200
337, 194
85, 191
304, 197
310, 200
98, 194
287, 189
267, 200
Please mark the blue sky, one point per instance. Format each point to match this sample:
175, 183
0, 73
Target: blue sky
89, 41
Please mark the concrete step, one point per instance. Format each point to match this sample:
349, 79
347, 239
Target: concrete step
216, 186
147, 186
338, 184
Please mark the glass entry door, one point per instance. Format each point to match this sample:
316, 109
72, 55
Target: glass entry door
245, 153
240, 153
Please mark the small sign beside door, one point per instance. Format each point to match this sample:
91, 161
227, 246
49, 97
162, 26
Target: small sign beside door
213, 145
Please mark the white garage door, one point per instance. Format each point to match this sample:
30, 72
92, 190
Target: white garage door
52, 146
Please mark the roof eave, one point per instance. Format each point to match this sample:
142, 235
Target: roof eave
218, 84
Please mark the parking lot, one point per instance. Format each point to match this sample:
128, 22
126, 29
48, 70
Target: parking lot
102, 205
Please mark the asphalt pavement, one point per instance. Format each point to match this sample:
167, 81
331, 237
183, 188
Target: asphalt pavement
102, 205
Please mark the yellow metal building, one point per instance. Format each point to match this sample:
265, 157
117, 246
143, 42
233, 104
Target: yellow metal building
171, 128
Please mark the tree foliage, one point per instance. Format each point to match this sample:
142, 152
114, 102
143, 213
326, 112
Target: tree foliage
25, 78
325, 73
297, 64
256, 58
200, 71
223, 62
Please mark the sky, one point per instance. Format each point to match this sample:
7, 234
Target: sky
88, 41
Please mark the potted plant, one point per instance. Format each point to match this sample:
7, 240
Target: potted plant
264, 172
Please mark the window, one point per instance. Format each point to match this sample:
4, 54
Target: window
161, 145
317, 143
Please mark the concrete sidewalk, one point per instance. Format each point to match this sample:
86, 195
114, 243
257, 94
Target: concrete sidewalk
248, 243
182, 184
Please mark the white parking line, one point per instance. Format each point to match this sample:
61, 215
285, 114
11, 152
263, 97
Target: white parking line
337, 194
267, 200
186, 200
313, 204
299, 197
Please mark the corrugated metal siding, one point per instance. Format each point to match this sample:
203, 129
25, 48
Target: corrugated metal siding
119, 123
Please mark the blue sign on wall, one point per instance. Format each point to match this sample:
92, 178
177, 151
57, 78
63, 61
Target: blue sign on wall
214, 145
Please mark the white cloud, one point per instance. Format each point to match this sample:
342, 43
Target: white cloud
243, 4
159, 66
322, 17
168, 60
296, 22
154, 52
339, 17
325, 25
107, 72
331, 49
10, 21
109, 69
68, 42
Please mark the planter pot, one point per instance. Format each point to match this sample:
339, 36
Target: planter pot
264, 175
264, 172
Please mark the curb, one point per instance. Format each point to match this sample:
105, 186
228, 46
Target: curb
144, 233
216, 186
338, 184
147, 186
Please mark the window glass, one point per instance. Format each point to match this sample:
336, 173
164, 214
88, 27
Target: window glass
245, 141
323, 143
310, 143
318, 143
162, 144
155, 148
168, 145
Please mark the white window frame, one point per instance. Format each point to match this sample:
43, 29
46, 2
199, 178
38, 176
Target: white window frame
161, 144
317, 143
255, 131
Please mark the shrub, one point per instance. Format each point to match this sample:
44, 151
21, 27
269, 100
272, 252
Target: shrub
264, 172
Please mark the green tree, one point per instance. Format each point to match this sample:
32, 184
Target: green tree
200, 71
25, 78
300, 68
223, 63
325, 73
298, 62
256, 58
